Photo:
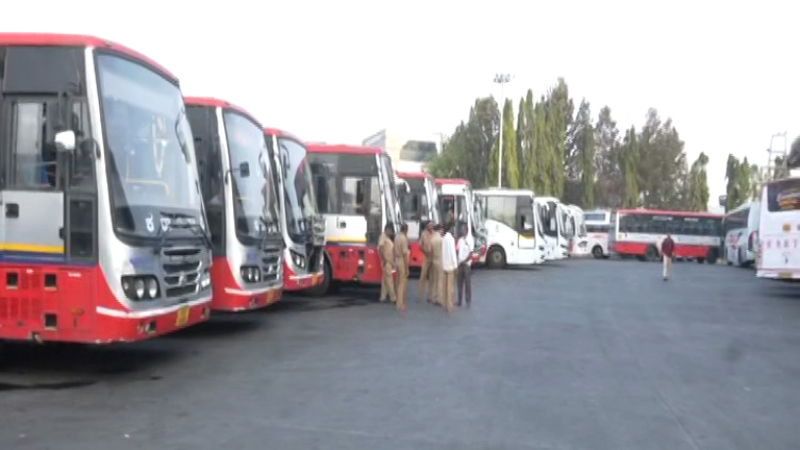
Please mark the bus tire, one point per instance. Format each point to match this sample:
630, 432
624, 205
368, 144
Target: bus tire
597, 252
713, 255
496, 258
327, 275
652, 254
742, 259
701, 260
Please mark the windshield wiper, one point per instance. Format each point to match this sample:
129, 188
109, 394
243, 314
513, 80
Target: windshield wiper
180, 136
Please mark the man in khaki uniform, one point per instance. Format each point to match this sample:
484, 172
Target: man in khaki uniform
386, 253
437, 286
402, 253
426, 274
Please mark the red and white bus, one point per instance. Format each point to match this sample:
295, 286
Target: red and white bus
103, 237
356, 193
302, 226
241, 204
417, 196
778, 254
639, 232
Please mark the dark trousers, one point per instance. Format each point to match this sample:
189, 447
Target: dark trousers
464, 283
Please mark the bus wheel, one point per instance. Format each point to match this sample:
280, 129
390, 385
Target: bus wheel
742, 260
496, 259
701, 260
652, 254
324, 287
712, 257
597, 252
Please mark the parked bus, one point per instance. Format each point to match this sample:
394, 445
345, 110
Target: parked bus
779, 230
103, 233
356, 193
302, 226
579, 241
554, 221
241, 204
513, 231
417, 196
457, 207
740, 228
639, 233
598, 224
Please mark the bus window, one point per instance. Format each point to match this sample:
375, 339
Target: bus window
524, 214
783, 195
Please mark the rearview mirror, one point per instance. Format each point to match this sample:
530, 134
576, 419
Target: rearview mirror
244, 170
65, 141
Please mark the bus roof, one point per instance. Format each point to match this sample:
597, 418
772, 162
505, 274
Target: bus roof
452, 181
281, 133
504, 192
661, 212
215, 102
78, 40
342, 148
417, 175
743, 206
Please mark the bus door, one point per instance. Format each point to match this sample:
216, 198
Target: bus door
526, 224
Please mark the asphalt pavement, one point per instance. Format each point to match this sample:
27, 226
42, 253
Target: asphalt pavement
578, 354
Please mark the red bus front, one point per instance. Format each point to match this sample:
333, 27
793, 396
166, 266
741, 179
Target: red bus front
417, 197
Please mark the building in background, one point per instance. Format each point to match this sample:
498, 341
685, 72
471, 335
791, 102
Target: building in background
409, 151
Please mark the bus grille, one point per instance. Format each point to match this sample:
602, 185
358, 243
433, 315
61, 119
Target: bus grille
270, 262
181, 270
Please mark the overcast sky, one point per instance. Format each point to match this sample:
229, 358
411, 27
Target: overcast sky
340, 70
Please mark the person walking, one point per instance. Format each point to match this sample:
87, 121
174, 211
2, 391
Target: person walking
386, 254
464, 251
401, 255
449, 267
667, 252
437, 275
426, 273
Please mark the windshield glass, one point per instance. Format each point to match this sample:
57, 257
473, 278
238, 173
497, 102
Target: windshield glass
248, 149
298, 187
389, 191
151, 167
414, 201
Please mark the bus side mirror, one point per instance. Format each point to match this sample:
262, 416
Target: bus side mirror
65, 141
244, 170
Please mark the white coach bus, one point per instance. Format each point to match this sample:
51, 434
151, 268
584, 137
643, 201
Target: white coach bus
514, 231
779, 230
741, 232
598, 223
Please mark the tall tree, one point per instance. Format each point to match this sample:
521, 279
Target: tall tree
541, 154
733, 196
559, 113
662, 164
629, 166
610, 186
511, 169
580, 158
525, 140
697, 195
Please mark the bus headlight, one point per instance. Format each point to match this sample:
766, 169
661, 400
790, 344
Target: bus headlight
152, 287
140, 287
250, 274
298, 259
205, 280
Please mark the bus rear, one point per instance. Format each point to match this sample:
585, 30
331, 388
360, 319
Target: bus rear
104, 238
241, 204
356, 193
302, 227
778, 255
598, 224
417, 197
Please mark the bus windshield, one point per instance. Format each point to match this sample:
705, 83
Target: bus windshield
414, 202
299, 193
247, 146
151, 167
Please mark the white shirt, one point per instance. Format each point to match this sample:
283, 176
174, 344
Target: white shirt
464, 252
449, 257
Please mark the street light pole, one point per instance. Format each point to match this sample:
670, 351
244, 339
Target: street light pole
501, 79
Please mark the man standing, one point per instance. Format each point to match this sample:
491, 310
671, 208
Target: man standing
667, 250
437, 276
386, 253
449, 267
401, 254
464, 251
426, 274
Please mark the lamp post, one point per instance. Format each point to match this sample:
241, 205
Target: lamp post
501, 79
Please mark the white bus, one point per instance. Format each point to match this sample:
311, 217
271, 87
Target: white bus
779, 230
551, 213
598, 223
741, 230
456, 207
579, 240
514, 232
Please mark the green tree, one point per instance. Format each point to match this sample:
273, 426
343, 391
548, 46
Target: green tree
558, 116
629, 166
609, 186
733, 197
525, 140
662, 164
580, 157
697, 195
511, 168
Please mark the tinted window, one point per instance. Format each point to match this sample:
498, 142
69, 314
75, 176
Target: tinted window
783, 195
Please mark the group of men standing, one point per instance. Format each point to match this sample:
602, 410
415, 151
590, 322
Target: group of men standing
447, 259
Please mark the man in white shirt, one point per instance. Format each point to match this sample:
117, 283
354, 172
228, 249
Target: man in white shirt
464, 267
449, 266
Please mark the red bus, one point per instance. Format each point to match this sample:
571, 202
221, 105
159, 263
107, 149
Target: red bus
241, 204
356, 193
639, 232
302, 227
417, 197
103, 236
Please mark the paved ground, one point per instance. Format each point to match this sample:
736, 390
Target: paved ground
573, 355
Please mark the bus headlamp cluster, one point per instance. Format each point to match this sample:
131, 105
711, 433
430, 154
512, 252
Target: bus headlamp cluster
299, 260
251, 274
205, 279
140, 287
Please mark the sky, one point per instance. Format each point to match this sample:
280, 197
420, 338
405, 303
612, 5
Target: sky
340, 71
